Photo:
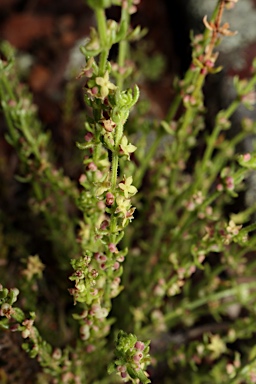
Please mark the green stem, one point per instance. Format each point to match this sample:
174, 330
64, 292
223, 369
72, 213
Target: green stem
201, 168
102, 28
115, 163
103, 62
187, 219
7, 87
173, 108
13, 131
248, 229
199, 85
115, 155
207, 299
232, 108
250, 85
188, 76
123, 45
30, 139
121, 60
5, 91
140, 172
161, 229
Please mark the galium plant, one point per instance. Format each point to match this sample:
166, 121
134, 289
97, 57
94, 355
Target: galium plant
180, 274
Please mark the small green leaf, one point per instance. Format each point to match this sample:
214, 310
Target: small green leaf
84, 145
111, 368
18, 314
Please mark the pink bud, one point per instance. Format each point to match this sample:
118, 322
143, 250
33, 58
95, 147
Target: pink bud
229, 182
116, 266
204, 71
104, 224
94, 90
247, 156
110, 198
82, 179
121, 368
137, 357
88, 136
12, 103
209, 63
92, 167
90, 348
139, 345
112, 247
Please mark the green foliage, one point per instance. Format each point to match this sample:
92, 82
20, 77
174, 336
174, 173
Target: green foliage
182, 273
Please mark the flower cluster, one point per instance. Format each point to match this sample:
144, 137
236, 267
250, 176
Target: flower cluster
132, 358
105, 199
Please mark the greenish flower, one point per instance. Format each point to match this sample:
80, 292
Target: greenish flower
127, 148
124, 208
105, 85
123, 205
217, 346
127, 187
34, 267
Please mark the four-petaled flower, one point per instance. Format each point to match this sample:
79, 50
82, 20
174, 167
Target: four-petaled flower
217, 346
126, 147
127, 187
105, 85
123, 205
34, 267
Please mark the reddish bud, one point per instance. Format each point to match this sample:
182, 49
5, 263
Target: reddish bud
92, 167
88, 136
139, 345
110, 198
104, 224
112, 247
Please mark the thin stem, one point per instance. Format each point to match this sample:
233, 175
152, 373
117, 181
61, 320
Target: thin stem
173, 108
102, 28
12, 129
186, 218
121, 60
210, 298
201, 168
103, 61
123, 45
190, 113
115, 161
144, 165
161, 229
30, 138
189, 75
215, 31
7, 87
232, 108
